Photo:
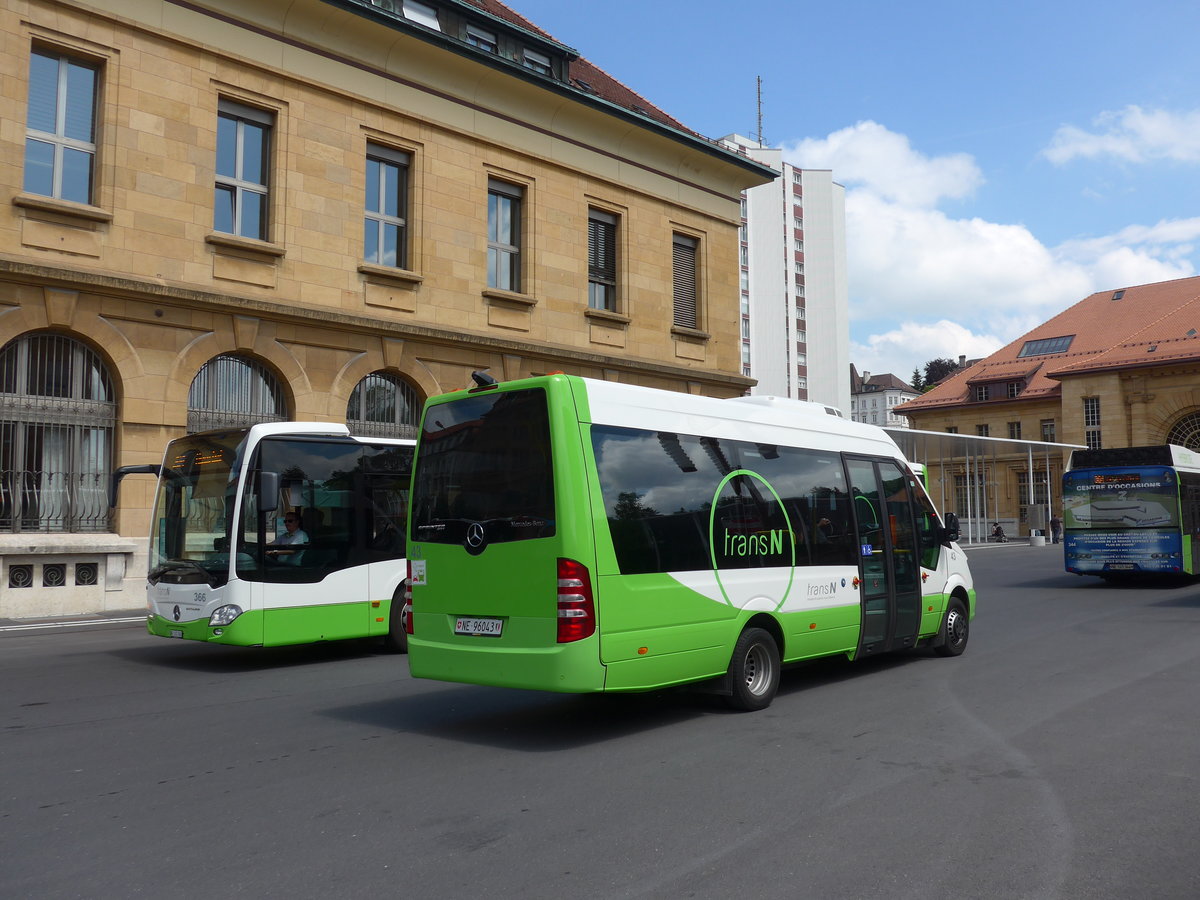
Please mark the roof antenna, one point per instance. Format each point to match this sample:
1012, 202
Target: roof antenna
758, 81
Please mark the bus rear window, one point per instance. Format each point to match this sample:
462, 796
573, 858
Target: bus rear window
484, 460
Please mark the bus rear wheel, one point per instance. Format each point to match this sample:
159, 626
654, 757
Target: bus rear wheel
753, 671
956, 628
396, 640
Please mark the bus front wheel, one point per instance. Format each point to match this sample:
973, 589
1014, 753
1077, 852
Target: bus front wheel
396, 640
753, 671
956, 628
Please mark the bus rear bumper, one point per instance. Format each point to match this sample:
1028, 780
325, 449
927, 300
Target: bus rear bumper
573, 668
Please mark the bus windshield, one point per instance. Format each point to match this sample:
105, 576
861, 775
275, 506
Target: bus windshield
1137, 497
192, 512
485, 460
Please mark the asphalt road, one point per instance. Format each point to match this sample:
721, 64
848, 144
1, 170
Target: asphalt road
1056, 758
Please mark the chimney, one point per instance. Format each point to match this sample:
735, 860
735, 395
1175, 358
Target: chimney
866, 376
962, 360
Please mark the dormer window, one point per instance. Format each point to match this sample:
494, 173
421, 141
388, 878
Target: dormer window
538, 62
981, 393
481, 38
422, 14
1014, 389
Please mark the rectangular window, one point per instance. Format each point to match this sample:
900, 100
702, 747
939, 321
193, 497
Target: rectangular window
982, 430
60, 129
478, 37
1048, 430
602, 260
951, 429
685, 281
385, 229
1091, 422
243, 154
504, 235
980, 393
1014, 389
1014, 431
538, 62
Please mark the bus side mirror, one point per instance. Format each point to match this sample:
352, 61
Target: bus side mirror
950, 531
114, 483
268, 491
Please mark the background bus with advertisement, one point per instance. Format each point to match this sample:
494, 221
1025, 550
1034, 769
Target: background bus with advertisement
1132, 510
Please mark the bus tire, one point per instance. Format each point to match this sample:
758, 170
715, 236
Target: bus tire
956, 628
753, 671
396, 640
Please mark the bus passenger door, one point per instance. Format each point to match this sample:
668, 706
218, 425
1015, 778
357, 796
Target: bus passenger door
889, 558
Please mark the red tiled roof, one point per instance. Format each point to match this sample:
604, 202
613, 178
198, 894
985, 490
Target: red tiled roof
1147, 326
594, 79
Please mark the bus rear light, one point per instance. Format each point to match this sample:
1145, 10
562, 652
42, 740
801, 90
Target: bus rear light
406, 610
576, 608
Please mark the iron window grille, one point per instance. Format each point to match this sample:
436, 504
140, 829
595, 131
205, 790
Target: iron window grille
233, 392
382, 405
57, 418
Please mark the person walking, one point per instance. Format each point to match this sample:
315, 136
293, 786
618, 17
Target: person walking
1056, 528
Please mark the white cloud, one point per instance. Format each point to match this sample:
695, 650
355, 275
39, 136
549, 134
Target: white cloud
924, 284
1132, 134
868, 155
912, 344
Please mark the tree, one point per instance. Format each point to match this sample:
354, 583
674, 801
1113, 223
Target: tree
916, 381
937, 369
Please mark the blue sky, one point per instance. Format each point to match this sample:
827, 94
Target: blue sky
1002, 161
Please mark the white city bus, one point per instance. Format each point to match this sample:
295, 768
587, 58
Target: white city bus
581, 536
223, 566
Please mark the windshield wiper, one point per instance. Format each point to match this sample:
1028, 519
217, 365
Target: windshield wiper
176, 565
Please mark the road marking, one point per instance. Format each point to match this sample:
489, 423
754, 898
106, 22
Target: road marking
72, 624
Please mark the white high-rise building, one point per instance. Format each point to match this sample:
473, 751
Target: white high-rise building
795, 304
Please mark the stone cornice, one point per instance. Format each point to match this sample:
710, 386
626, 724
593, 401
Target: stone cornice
175, 295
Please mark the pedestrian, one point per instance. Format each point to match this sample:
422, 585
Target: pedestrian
1056, 528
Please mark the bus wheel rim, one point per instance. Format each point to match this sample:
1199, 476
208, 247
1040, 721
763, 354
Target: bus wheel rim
758, 670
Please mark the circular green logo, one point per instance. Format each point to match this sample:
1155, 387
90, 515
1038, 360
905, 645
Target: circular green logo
749, 528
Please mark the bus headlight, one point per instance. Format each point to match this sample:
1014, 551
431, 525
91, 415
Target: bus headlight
224, 615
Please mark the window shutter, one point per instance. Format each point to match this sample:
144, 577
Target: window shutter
684, 264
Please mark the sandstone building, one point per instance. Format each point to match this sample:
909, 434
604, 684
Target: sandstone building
216, 213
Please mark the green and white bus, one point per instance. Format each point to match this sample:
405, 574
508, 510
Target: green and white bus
223, 567
584, 536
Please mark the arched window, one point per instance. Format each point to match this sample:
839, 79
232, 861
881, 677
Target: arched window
1186, 432
382, 405
233, 392
57, 415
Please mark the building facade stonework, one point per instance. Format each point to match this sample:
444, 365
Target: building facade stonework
321, 192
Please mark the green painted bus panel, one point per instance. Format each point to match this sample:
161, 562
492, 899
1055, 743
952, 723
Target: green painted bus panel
245, 631
275, 627
307, 624
570, 668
